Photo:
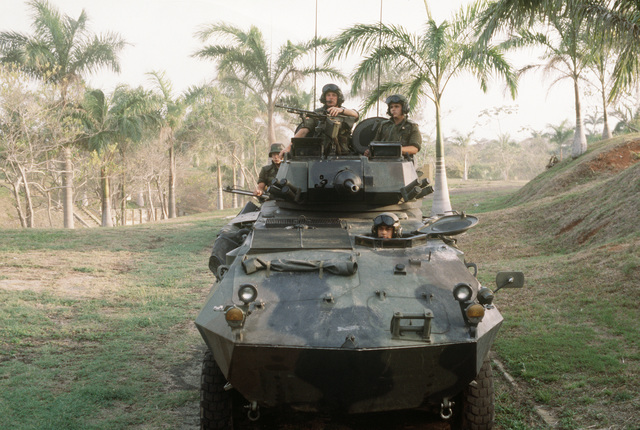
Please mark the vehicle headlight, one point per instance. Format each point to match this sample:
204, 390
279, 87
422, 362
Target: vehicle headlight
462, 292
475, 313
247, 293
234, 317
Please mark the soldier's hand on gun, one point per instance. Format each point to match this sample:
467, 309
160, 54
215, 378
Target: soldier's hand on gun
335, 111
258, 193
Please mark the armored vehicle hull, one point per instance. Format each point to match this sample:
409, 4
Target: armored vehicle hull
313, 312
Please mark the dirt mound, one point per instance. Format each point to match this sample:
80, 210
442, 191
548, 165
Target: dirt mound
604, 160
592, 200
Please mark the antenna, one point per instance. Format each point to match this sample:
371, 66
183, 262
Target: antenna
379, 60
315, 59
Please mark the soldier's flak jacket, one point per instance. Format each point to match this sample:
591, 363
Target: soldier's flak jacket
344, 134
268, 173
407, 133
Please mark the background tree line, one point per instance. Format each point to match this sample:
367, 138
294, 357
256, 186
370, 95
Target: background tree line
66, 146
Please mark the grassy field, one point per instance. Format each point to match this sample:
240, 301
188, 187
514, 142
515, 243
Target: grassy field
96, 326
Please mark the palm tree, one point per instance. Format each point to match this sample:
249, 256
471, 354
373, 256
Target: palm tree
560, 134
246, 61
61, 50
425, 64
463, 141
110, 123
568, 54
174, 110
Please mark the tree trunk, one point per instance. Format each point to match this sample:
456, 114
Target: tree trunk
163, 202
271, 126
465, 172
606, 131
123, 203
67, 188
579, 138
107, 220
172, 179
27, 197
441, 203
49, 209
152, 210
16, 196
219, 181
234, 197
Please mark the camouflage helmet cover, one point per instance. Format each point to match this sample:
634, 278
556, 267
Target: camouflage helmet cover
276, 148
333, 88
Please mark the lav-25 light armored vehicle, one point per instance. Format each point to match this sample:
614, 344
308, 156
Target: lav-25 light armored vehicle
311, 312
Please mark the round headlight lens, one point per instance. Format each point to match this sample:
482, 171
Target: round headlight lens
234, 314
247, 293
462, 292
475, 311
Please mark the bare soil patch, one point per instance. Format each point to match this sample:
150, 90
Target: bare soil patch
72, 274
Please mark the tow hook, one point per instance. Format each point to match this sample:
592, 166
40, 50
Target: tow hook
445, 409
254, 411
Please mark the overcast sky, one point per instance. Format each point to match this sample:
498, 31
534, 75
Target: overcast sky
161, 37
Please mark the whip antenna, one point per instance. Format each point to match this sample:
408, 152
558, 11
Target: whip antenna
315, 59
379, 59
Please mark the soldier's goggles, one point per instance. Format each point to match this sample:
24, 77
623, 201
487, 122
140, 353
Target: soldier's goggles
395, 99
330, 87
384, 220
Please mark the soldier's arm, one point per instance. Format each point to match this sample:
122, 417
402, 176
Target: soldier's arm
259, 189
335, 111
300, 133
415, 141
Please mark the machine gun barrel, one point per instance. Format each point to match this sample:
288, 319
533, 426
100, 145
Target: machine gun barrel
308, 113
242, 192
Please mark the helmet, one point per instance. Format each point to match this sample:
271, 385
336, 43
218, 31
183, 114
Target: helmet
334, 89
397, 98
276, 148
390, 220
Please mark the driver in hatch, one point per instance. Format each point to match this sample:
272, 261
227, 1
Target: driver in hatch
386, 226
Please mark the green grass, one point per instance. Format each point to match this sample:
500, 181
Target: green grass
103, 360
94, 362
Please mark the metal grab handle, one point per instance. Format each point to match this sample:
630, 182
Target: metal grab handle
397, 329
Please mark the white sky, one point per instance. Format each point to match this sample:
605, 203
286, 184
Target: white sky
161, 37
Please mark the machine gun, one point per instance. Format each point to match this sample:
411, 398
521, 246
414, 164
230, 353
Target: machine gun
264, 197
328, 126
312, 114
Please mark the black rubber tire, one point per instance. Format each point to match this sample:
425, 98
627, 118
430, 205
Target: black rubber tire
216, 404
478, 409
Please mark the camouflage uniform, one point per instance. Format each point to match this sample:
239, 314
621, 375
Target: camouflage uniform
344, 135
407, 133
268, 173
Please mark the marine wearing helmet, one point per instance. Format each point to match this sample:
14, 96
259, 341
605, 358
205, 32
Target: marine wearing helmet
269, 172
386, 226
398, 128
332, 99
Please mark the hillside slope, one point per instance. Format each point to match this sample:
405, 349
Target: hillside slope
592, 200
570, 337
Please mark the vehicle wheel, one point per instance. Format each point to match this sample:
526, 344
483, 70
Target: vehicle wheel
215, 403
478, 401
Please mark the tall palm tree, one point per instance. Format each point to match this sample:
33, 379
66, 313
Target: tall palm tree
60, 50
245, 60
567, 54
174, 109
110, 123
424, 64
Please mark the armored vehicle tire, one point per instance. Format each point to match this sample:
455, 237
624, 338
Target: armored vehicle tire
477, 401
215, 403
